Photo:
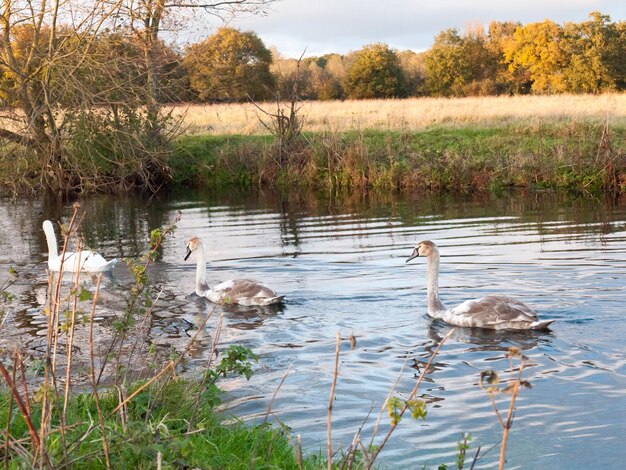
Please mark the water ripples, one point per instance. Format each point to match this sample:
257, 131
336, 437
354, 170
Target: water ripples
343, 271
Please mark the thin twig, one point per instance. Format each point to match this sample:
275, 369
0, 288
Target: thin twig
475, 459
269, 408
7, 433
20, 404
382, 408
356, 440
510, 413
411, 395
216, 340
299, 452
52, 340
330, 402
70, 340
105, 446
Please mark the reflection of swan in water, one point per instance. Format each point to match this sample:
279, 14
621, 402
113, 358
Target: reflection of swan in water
86, 261
482, 339
497, 312
235, 291
250, 317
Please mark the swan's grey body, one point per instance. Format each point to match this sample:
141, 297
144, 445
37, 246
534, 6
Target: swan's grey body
497, 312
235, 291
86, 261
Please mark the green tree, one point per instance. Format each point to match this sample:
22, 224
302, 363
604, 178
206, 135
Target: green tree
332, 78
462, 65
621, 75
325, 84
537, 50
448, 68
230, 65
375, 73
482, 64
596, 51
414, 71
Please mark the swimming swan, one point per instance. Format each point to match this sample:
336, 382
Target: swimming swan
236, 291
86, 261
497, 312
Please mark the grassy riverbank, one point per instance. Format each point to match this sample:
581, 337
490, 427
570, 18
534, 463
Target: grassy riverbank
577, 155
565, 142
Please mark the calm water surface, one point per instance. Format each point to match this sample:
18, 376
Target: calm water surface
341, 263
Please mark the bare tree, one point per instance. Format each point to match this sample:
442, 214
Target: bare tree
148, 20
57, 81
31, 43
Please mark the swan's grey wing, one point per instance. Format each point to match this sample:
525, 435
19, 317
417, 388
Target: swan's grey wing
493, 310
244, 292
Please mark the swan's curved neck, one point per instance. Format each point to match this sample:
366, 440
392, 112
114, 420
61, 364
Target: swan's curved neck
435, 306
201, 284
52, 241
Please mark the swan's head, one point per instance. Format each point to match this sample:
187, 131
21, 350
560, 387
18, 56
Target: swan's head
192, 245
47, 226
424, 248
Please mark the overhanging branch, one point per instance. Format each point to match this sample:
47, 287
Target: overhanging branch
11, 136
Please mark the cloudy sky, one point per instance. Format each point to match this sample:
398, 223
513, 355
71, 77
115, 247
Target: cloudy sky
323, 26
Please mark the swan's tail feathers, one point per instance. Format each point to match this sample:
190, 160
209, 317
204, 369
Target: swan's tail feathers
108, 266
111, 264
274, 300
541, 325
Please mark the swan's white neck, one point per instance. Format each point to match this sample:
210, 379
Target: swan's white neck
435, 306
51, 239
201, 284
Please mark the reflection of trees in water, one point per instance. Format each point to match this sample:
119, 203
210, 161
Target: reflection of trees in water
595, 214
112, 225
120, 226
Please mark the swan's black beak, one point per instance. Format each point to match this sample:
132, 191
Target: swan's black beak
188, 253
415, 254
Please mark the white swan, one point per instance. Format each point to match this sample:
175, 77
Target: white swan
235, 291
86, 261
497, 312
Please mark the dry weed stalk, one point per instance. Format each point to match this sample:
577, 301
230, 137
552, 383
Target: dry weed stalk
94, 385
406, 404
330, 403
513, 386
370, 454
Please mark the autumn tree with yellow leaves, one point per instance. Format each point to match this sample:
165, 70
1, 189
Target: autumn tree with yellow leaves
230, 65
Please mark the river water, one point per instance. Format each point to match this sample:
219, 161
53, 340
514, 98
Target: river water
340, 261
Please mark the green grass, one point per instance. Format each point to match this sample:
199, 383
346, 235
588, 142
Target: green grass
156, 422
579, 156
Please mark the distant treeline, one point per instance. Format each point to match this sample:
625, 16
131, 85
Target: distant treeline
231, 65
508, 58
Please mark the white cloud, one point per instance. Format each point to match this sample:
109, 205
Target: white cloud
323, 26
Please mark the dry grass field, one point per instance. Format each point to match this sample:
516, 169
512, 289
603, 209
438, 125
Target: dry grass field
408, 114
